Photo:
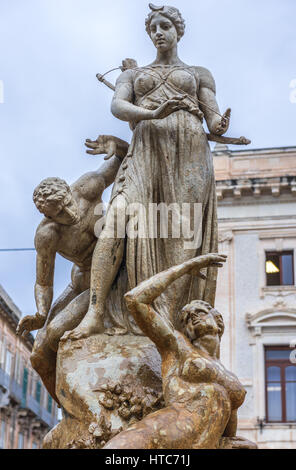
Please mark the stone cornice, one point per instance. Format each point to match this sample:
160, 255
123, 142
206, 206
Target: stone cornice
256, 187
257, 163
222, 150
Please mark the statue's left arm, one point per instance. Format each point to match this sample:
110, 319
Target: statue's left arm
218, 124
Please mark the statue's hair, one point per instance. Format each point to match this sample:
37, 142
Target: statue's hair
195, 305
172, 13
50, 189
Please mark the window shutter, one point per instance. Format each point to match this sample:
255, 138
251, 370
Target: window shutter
38, 392
25, 387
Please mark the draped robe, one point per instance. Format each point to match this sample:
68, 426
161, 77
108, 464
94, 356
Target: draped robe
169, 161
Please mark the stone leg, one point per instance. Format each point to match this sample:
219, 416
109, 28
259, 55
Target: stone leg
106, 261
43, 360
43, 357
177, 427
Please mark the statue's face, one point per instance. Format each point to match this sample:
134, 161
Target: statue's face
163, 33
63, 212
201, 323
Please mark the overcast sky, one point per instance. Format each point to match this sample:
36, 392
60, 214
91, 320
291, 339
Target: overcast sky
50, 52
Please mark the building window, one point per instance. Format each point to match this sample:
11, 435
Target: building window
8, 362
280, 376
2, 434
279, 268
34, 445
25, 387
38, 391
18, 368
49, 404
20, 442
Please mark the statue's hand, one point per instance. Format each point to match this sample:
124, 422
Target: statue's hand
222, 125
169, 107
30, 323
205, 261
107, 144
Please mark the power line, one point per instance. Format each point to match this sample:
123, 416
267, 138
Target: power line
17, 249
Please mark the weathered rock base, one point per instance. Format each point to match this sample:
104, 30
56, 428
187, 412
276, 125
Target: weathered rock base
104, 384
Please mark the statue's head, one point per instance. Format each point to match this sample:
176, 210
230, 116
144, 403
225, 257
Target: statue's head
199, 319
54, 199
165, 26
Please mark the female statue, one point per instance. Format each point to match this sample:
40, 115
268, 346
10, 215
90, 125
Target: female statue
169, 161
201, 396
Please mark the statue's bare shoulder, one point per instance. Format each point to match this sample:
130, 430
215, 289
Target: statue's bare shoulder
89, 186
205, 77
126, 76
46, 237
124, 87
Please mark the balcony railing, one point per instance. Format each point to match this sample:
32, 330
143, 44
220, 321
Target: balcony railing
48, 418
41, 412
33, 405
15, 390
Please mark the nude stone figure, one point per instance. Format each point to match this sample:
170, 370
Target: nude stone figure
67, 229
201, 395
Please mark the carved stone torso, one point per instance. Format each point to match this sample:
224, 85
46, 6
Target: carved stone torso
80, 248
194, 369
154, 79
75, 242
155, 84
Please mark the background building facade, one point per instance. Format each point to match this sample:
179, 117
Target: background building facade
256, 293
27, 412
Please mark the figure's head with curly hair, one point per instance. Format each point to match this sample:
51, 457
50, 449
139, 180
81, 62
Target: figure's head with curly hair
54, 199
199, 320
165, 26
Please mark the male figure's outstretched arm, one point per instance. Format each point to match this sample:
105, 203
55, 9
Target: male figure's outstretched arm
139, 300
92, 184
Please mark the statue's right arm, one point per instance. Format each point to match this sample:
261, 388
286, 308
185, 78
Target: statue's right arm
123, 108
45, 244
92, 184
159, 330
139, 300
122, 104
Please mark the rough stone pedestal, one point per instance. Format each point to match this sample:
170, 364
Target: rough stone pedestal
104, 384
